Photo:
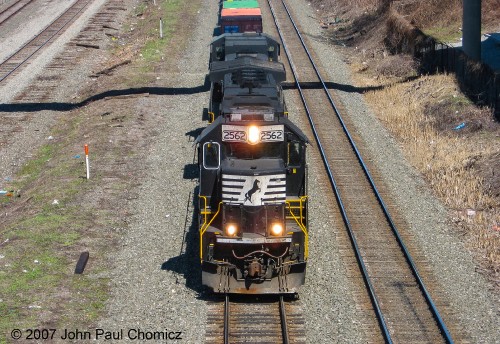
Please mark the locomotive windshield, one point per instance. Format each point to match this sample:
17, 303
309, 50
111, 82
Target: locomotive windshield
245, 151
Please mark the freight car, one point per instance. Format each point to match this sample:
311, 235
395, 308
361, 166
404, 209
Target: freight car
253, 216
237, 19
240, 4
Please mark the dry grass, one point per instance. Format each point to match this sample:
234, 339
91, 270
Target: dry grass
398, 66
459, 165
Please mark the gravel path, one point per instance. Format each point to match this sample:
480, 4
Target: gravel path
452, 265
156, 283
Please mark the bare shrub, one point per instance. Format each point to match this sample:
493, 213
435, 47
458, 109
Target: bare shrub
397, 66
454, 110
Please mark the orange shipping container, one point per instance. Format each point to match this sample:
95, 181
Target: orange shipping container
241, 20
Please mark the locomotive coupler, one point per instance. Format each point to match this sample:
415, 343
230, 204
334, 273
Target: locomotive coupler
255, 268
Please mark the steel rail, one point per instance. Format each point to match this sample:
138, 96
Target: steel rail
284, 326
435, 312
2, 14
406, 253
282, 314
359, 259
226, 319
46, 41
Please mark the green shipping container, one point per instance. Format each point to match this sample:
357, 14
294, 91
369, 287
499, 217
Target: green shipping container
240, 4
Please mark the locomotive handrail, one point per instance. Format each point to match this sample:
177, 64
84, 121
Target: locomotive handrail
304, 198
205, 225
204, 212
300, 207
301, 226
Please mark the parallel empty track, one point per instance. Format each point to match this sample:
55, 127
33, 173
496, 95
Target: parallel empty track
49, 34
10, 11
405, 311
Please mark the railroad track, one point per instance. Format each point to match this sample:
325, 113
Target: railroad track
45, 37
404, 308
271, 319
10, 11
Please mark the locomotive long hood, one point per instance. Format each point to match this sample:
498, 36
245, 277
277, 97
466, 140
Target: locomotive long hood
253, 182
246, 65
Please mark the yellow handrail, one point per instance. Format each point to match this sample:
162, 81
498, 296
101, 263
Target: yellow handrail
302, 198
205, 225
300, 223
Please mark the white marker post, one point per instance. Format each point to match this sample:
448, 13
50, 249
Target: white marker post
161, 28
87, 160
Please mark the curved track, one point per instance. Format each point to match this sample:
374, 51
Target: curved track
404, 308
19, 58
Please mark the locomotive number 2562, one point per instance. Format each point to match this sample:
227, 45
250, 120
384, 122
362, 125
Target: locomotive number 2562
271, 135
234, 135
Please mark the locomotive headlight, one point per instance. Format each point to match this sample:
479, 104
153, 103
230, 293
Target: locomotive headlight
231, 229
277, 229
253, 134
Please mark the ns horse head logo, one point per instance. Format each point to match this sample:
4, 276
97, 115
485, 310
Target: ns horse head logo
254, 189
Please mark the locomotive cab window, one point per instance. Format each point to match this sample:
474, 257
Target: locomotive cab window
211, 155
270, 53
294, 154
220, 53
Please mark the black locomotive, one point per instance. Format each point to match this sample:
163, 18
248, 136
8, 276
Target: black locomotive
253, 214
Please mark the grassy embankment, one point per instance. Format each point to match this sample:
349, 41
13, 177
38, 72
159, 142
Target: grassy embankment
458, 164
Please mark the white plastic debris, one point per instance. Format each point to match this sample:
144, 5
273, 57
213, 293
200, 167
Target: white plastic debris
471, 212
34, 306
50, 138
36, 261
55, 202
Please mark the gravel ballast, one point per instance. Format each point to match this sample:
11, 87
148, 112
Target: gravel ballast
34, 132
27, 23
